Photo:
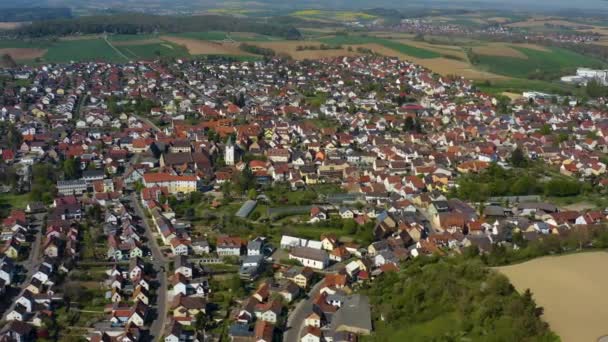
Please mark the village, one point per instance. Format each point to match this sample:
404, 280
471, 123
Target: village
216, 200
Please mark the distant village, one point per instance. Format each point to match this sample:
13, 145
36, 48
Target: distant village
166, 200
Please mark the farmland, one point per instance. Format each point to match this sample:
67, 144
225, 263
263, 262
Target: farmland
391, 44
553, 62
340, 16
81, 50
571, 291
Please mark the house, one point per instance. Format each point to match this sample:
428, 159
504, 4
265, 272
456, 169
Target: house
251, 267
177, 333
314, 258
180, 246
312, 334
188, 306
263, 331
229, 246
174, 183
254, 247
317, 214
269, 311
136, 268
139, 314
183, 266
301, 276
18, 332
313, 320
353, 316
346, 213
200, 247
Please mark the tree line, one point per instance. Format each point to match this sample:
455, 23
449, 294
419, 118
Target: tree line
137, 23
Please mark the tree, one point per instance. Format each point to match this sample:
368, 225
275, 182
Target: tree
595, 89
518, 159
7, 61
545, 129
71, 168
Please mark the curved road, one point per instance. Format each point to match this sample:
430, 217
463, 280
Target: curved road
295, 320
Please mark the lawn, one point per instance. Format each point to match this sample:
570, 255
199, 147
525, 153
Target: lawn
395, 46
152, 51
82, 50
426, 331
553, 63
9, 201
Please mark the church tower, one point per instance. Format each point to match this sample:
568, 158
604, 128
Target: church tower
229, 153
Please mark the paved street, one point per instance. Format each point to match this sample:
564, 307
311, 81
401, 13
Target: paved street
33, 261
160, 264
295, 320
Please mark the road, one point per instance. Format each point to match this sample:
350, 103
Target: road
32, 263
148, 122
295, 320
160, 264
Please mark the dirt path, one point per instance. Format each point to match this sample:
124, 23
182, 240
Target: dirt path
105, 38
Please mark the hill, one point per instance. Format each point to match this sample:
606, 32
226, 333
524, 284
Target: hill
452, 299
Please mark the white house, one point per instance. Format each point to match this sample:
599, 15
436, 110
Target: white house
311, 257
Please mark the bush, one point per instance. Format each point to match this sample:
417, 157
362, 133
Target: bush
255, 216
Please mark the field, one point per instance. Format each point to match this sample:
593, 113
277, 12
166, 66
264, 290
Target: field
150, 50
23, 54
554, 62
9, 25
341, 16
203, 47
82, 50
222, 36
391, 44
571, 290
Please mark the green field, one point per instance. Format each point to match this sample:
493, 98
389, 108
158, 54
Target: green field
517, 85
130, 37
33, 44
396, 46
221, 35
553, 63
152, 51
340, 16
82, 50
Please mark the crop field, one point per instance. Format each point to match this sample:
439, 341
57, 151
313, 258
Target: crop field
555, 61
391, 44
291, 48
226, 36
571, 289
154, 50
202, 47
342, 16
82, 50
23, 54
